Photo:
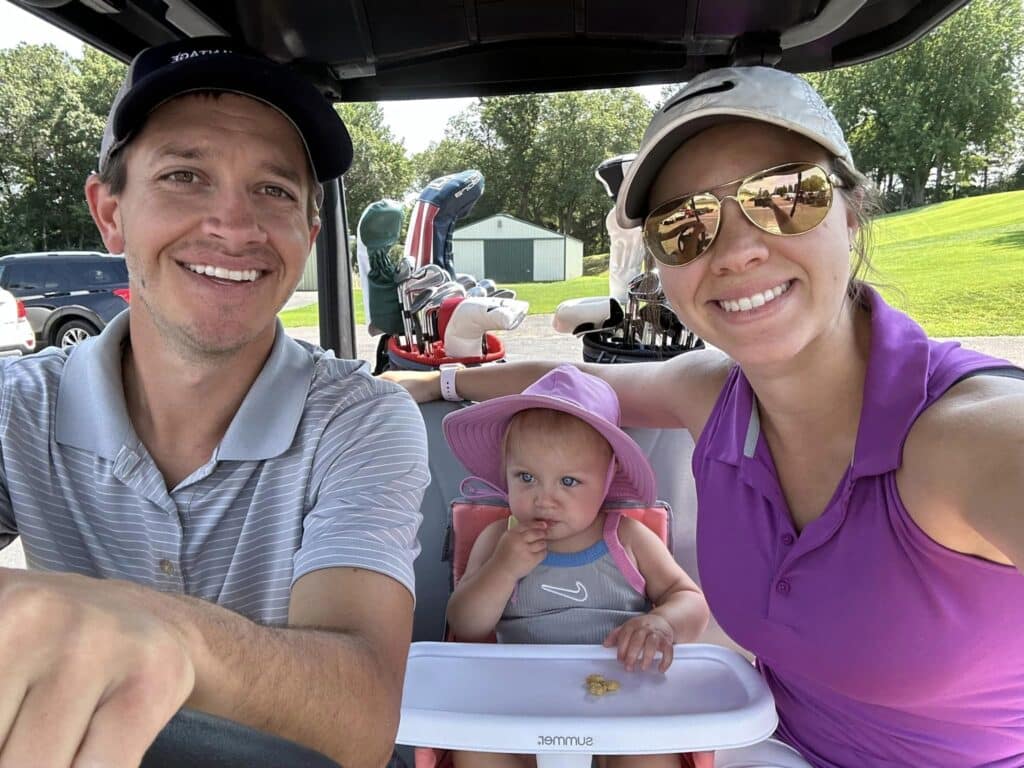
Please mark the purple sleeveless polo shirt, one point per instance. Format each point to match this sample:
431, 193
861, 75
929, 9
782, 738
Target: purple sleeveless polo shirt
882, 648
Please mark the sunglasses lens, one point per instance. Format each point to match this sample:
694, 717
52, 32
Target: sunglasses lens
681, 230
788, 201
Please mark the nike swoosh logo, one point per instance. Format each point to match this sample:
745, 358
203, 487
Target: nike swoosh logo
578, 595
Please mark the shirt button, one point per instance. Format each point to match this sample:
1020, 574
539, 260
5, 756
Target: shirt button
167, 567
782, 587
788, 539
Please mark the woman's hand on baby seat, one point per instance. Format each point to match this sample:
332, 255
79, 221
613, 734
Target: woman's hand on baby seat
521, 549
640, 639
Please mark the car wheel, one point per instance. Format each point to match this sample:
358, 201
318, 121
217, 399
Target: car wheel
73, 333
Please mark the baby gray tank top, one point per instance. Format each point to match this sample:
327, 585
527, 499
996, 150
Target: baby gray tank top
575, 597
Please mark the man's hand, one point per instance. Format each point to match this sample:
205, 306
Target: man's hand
640, 639
90, 674
521, 549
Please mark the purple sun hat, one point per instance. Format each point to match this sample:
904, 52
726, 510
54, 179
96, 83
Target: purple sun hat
475, 434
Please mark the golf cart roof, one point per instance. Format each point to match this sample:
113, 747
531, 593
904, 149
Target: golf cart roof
371, 50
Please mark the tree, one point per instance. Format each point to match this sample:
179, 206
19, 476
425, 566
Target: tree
55, 108
954, 94
380, 169
581, 130
538, 153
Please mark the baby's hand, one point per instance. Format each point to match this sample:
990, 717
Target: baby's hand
640, 638
521, 549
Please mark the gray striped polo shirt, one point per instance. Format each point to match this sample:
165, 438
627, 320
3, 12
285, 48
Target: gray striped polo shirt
323, 466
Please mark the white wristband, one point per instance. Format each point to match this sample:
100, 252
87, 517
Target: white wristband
448, 371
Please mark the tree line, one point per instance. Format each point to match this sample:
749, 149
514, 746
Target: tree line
944, 117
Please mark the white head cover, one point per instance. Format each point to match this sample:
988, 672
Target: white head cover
588, 310
476, 315
716, 96
626, 256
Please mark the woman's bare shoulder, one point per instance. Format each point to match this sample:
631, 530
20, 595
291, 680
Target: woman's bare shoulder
961, 465
979, 415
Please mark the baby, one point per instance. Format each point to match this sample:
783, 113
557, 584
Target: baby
564, 568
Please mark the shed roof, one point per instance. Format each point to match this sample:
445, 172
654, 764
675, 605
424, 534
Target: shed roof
509, 227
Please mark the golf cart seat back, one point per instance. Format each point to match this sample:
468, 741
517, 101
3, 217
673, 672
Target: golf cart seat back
669, 451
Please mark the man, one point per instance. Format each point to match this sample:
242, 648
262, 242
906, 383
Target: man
234, 513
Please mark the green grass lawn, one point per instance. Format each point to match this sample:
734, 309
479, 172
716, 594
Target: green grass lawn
956, 267
543, 298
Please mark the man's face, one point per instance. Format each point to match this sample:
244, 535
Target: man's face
214, 221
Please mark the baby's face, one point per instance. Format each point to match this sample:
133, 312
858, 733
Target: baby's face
557, 481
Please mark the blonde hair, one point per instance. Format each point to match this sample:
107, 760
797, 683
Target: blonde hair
557, 425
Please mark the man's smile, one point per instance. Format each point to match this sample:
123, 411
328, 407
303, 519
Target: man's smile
236, 275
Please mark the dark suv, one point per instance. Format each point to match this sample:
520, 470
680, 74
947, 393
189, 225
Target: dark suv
69, 295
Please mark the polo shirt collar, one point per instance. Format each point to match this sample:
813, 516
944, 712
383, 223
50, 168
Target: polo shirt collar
91, 413
895, 388
895, 391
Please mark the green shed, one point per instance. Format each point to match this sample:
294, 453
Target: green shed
510, 250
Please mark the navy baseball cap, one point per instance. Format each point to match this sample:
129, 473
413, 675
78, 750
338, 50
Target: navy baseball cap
159, 74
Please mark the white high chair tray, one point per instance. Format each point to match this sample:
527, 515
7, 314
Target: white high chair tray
533, 699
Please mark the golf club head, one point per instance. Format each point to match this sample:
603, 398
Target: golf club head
646, 286
476, 291
430, 275
430, 311
488, 285
416, 306
403, 268
504, 293
467, 281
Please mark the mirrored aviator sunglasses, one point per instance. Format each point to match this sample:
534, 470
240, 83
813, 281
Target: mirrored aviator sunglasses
789, 199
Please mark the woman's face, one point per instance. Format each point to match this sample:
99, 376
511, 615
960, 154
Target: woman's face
811, 269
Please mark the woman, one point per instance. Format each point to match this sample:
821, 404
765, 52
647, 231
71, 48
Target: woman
859, 486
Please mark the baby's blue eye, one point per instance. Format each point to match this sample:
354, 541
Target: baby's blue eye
569, 482
526, 477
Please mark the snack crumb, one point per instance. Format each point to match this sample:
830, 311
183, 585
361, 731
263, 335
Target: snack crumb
598, 685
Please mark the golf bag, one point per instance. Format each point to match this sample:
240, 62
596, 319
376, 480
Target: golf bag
440, 205
602, 347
